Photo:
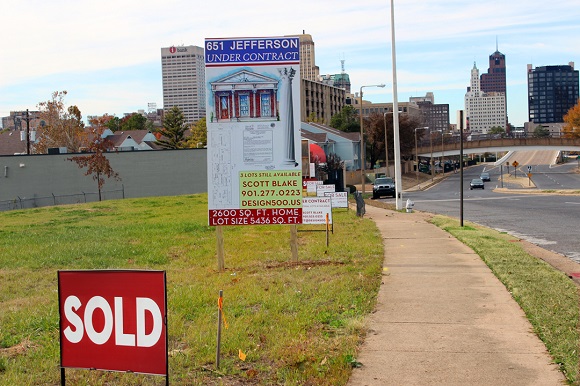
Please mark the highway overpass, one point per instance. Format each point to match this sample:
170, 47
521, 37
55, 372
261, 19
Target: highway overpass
451, 146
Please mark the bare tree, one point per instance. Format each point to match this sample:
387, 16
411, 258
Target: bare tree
96, 162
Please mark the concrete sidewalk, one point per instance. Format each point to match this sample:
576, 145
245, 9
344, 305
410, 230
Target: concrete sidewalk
443, 318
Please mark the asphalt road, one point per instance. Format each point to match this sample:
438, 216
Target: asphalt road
547, 220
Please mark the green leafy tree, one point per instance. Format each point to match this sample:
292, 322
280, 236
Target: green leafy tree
114, 124
572, 120
133, 121
63, 127
173, 131
312, 118
497, 130
149, 126
96, 162
541, 132
198, 138
347, 120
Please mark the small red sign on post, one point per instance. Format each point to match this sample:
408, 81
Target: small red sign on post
113, 320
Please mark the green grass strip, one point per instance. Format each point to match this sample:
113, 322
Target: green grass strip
548, 297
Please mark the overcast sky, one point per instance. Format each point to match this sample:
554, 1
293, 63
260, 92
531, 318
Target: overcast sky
107, 54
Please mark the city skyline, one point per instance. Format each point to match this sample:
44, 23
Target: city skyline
109, 61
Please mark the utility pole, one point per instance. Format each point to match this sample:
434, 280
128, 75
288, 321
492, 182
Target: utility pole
27, 118
27, 132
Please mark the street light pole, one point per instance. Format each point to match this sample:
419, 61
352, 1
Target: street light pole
431, 166
362, 141
442, 153
386, 146
397, 144
416, 158
417, 153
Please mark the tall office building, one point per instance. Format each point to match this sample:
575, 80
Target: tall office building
308, 68
552, 91
483, 110
183, 70
495, 78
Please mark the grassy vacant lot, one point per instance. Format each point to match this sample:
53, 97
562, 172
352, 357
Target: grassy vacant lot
298, 324
549, 298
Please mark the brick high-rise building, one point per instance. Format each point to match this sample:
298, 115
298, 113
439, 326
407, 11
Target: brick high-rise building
494, 81
495, 78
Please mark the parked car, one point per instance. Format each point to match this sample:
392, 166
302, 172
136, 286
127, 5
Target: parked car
476, 183
384, 186
484, 176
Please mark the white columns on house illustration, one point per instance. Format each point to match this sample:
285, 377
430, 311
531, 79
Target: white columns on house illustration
287, 74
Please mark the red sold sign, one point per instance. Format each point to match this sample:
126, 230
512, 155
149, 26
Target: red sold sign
113, 320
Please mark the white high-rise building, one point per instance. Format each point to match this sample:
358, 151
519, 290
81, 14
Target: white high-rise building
183, 70
483, 110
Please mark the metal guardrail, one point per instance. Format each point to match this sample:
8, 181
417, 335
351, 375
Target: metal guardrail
60, 199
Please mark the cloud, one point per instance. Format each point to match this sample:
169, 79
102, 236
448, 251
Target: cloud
102, 48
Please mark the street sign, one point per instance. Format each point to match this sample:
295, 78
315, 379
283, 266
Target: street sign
529, 168
515, 164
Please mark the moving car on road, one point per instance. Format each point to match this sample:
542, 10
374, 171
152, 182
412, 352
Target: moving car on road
484, 176
384, 186
476, 183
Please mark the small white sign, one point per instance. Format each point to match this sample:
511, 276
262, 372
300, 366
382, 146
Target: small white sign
338, 199
316, 209
311, 186
321, 189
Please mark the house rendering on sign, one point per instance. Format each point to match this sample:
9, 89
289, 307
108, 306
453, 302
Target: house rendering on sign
244, 96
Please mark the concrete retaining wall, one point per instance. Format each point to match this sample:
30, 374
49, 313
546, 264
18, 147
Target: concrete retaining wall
143, 173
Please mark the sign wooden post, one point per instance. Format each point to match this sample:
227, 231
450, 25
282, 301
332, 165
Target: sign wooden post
220, 247
294, 242
327, 231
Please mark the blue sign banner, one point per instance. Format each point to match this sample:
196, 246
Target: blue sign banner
227, 52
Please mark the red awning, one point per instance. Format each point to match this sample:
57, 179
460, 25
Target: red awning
316, 153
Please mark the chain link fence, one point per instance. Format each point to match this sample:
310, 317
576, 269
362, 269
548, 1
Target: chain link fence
60, 199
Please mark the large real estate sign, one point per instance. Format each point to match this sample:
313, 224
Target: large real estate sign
253, 131
113, 320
